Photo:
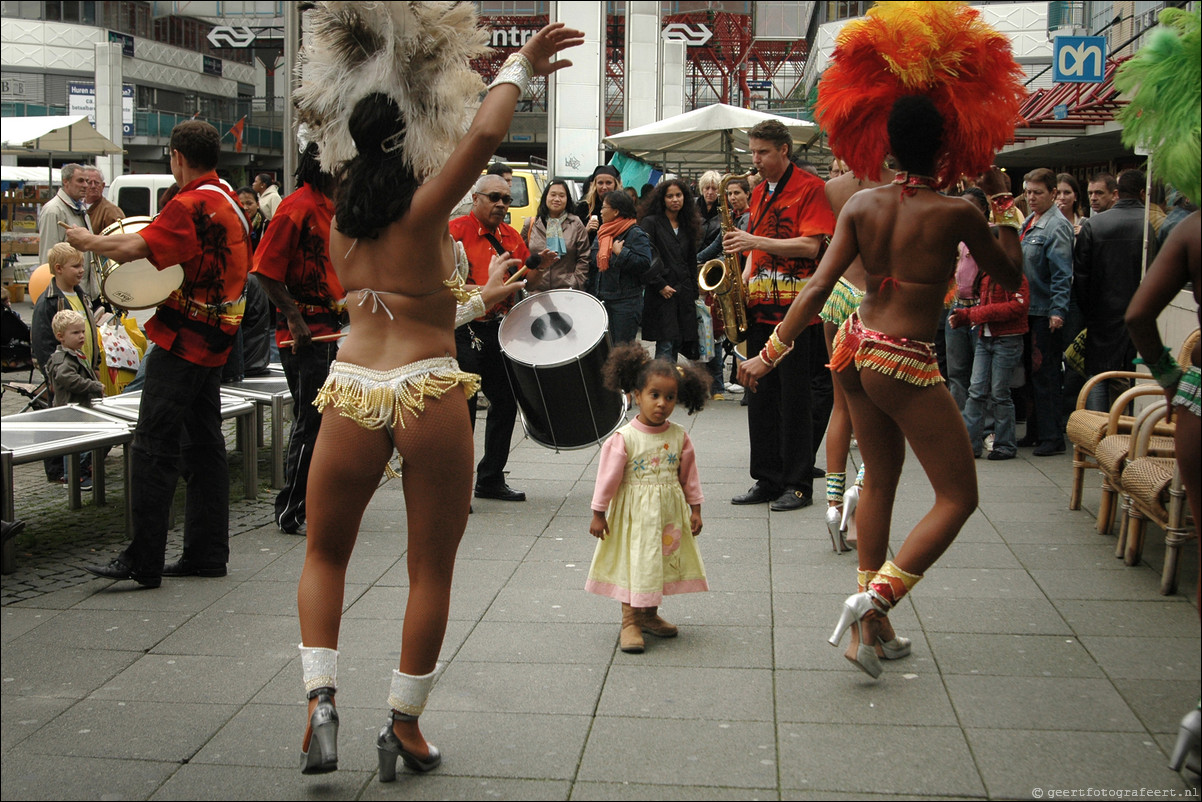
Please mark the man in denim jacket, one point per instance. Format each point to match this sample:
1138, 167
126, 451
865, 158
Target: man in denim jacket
1047, 242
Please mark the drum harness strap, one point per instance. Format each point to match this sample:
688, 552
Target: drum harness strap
228, 312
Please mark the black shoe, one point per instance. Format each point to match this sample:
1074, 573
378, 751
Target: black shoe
758, 494
791, 500
500, 493
1050, 448
11, 529
292, 528
1027, 441
999, 455
817, 473
119, 571
184, 568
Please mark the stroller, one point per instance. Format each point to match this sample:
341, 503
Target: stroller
16, 351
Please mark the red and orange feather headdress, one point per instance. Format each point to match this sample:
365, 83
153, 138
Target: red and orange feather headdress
941, 50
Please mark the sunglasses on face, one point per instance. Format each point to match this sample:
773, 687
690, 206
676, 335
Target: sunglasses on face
493, 197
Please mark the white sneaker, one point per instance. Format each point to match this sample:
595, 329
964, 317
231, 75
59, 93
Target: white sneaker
989, 442
731, 387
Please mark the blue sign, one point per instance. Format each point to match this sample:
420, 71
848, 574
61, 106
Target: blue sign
1060, 111
1079, 59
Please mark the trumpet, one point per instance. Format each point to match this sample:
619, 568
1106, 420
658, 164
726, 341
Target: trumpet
723, 278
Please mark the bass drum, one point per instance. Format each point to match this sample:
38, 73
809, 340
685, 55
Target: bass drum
137, 284
555, 344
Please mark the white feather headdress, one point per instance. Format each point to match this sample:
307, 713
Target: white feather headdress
416, 53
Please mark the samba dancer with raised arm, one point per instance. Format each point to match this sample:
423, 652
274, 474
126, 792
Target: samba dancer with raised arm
887, 85
387, 91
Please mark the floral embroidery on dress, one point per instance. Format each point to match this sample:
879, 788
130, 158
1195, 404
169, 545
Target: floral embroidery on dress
671, 539
639, 465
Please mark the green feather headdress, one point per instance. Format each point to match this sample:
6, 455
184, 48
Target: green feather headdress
1164, 84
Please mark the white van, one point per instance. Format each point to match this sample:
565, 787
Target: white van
138, 194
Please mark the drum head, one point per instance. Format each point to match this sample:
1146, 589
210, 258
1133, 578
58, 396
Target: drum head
137, 284
553, 328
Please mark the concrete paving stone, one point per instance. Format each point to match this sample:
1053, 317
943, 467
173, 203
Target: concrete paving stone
994, 556
908, 760
1053, 556
381, 637
16, 621
808, 648
1014, 763
234, 634
1047, 513
554, 689
706, 647
719, 607
1160, 704
1034, 616
28, 671
905, 692
1137, 583
437, 786
720, 751
1040, 703
182, 595
111, 630
527, 643
577, 547
488, 546
363, 569
1076, 533
552, 606
1147, 658
22, 716
619, 791
54, 597
835, 580
988, 583
538, 576
798, 796
172, 731
50, 777
269, 597
1162, 617
1012, 655
507, 745
191, 678
634, 690
256, 782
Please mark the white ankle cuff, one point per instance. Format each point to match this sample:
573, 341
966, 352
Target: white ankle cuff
409, 693
320, 667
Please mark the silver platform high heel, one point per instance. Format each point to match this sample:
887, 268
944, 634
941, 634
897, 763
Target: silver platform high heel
1189, 742
856, 610
834, 518
850, 499
407, 700
320, 670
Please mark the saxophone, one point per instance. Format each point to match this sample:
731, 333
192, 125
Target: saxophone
723, 278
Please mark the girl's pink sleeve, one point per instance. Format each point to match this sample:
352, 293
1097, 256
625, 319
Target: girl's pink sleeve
690, 480
609, 472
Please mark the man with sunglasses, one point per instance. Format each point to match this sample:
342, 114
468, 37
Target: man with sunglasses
483, 233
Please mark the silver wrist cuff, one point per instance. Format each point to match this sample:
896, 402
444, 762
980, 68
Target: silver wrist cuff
320, 667
409, 693
516, 70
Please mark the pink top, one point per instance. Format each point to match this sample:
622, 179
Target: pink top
966, 274
613, 467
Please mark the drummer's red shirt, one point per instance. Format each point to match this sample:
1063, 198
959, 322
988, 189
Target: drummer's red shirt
204, 234
467, 229
295, 250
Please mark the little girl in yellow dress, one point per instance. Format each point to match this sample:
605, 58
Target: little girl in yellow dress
647, 500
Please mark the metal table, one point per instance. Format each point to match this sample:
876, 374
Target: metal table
58, 432
125, 407
268, 391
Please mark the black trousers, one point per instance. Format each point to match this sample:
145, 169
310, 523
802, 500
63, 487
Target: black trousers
306, 371
479, 351
179, 433
785, 417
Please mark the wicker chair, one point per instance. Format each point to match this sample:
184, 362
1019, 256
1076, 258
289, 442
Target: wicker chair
1153, 491
1086, 427
1110, 454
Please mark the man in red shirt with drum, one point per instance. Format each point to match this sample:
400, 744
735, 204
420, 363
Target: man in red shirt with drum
203, 230
483, 233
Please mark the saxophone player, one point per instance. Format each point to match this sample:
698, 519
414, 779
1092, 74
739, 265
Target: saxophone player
790, 222
737, 193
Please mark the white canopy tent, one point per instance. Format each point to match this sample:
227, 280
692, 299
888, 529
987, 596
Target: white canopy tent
709, 138
43, 136
13, 174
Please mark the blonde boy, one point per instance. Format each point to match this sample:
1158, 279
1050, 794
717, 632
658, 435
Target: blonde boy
71, 376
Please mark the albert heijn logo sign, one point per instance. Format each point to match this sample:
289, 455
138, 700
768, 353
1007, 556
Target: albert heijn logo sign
1079, 59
